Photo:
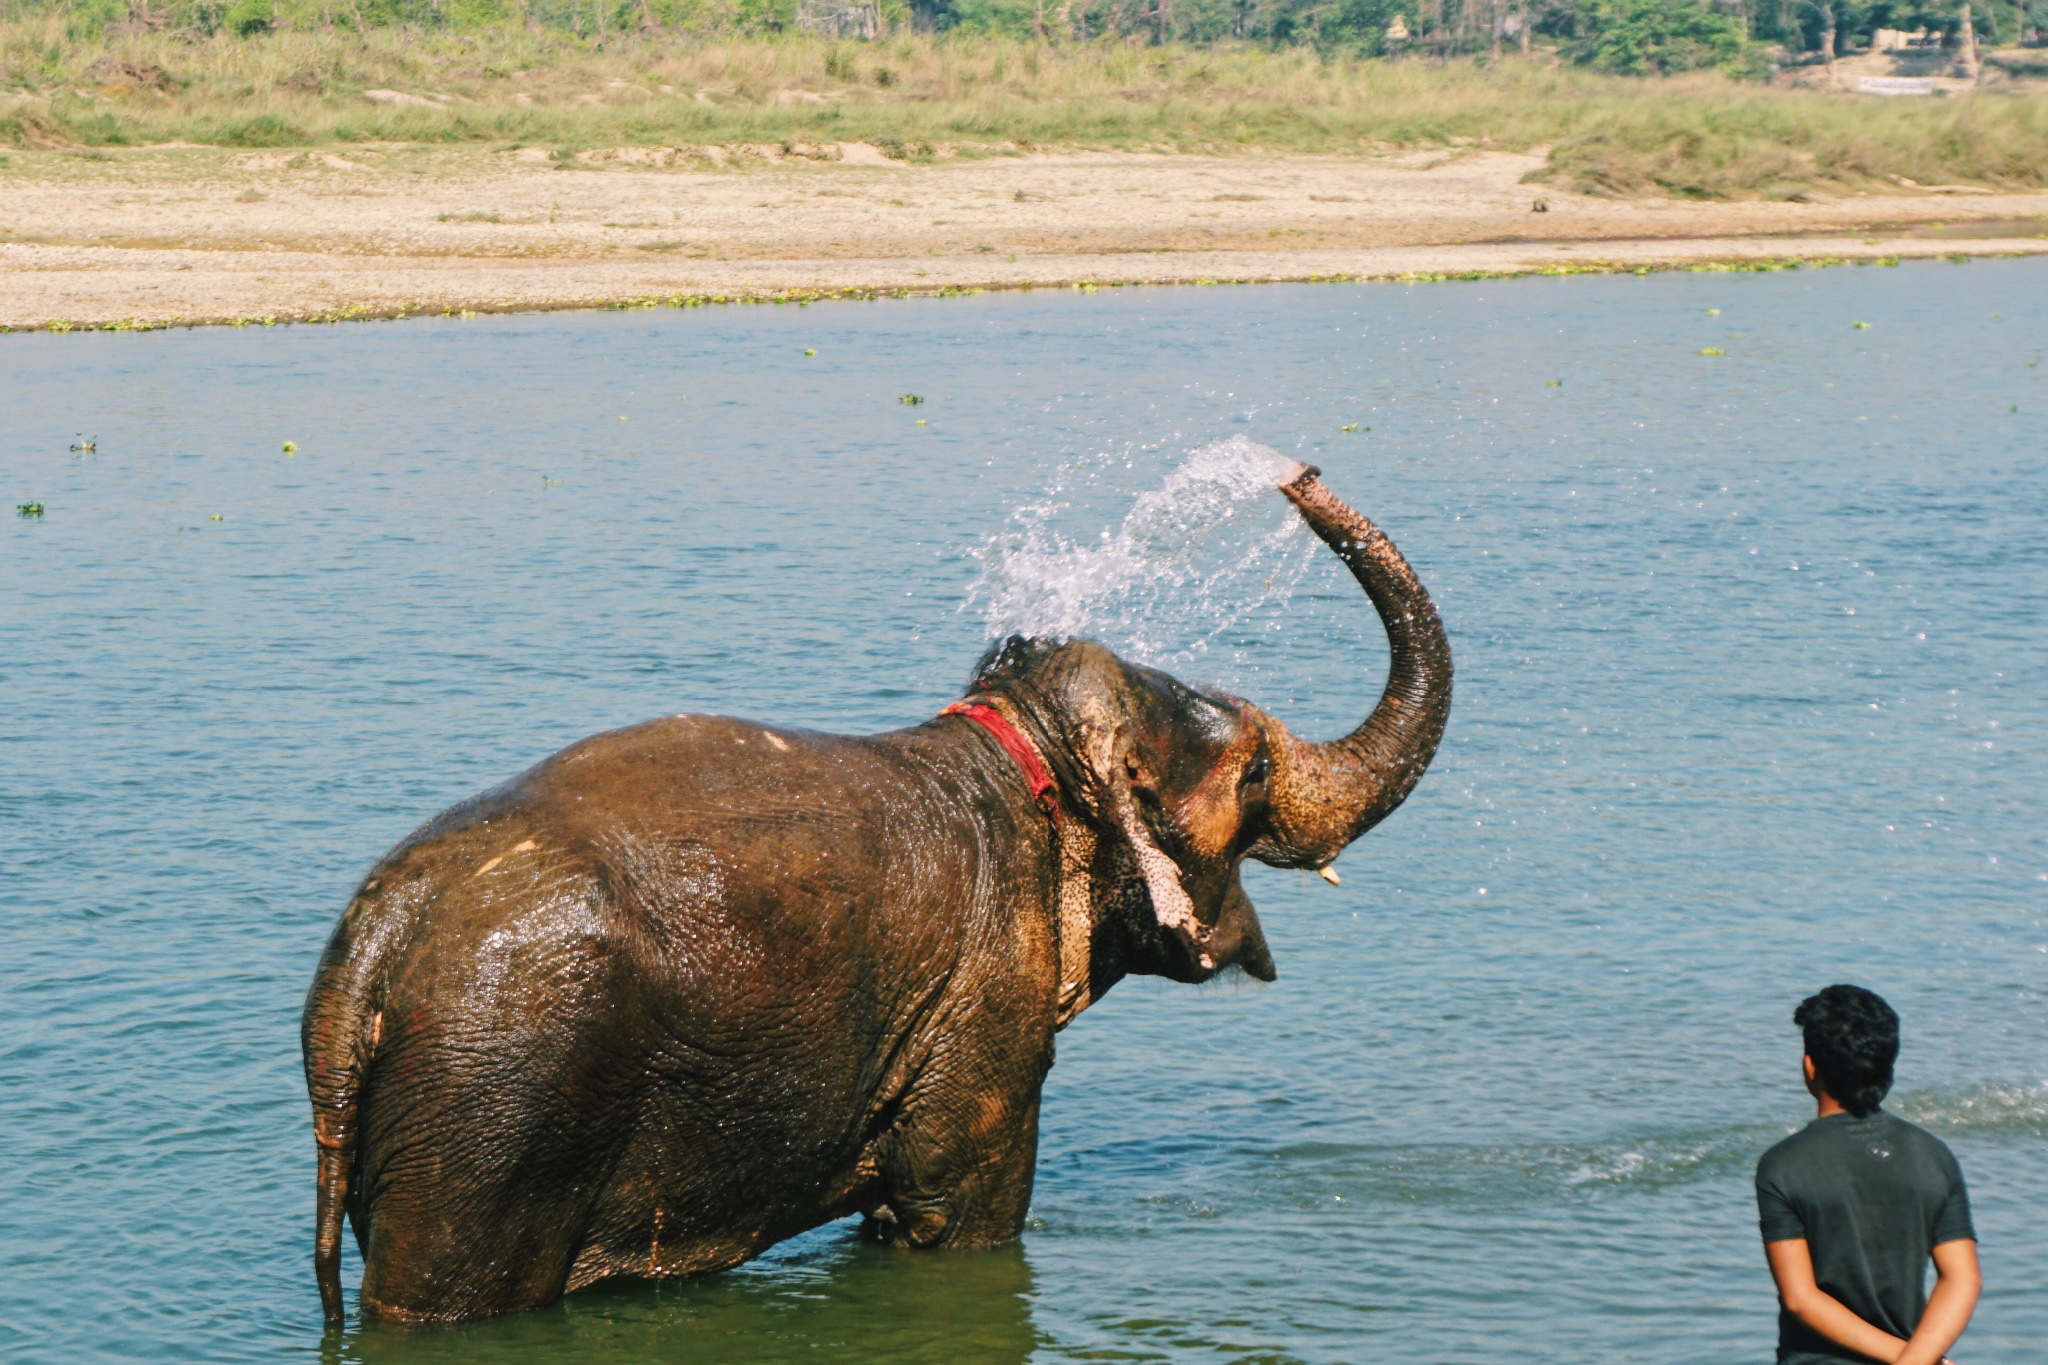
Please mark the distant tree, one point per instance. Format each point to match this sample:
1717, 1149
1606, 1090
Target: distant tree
1654, 37
1354, 25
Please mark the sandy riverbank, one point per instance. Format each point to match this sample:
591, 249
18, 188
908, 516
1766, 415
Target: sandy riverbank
169, 236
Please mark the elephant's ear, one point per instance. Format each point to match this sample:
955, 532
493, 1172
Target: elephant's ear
1077, 919
1170, 901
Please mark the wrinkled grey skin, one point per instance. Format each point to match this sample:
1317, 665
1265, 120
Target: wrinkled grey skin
691, 987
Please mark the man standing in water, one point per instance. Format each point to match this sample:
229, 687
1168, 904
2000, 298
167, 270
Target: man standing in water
1853, 1204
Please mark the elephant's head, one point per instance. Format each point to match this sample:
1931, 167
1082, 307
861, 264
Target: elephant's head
1165, 789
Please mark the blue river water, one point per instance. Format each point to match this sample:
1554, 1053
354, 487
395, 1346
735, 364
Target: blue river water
1751, 699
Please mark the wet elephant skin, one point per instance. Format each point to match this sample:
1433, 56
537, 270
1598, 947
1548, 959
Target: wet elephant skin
691, 987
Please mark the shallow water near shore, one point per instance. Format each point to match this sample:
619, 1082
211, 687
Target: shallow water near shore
1749, 647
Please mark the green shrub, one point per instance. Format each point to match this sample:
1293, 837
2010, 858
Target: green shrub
261, 130
245, 17
103, 129
767, 16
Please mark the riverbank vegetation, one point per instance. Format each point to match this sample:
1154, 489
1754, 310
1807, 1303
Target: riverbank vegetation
1627, 36
1706, 134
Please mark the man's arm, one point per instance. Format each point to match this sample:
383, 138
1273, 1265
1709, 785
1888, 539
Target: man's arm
1956, 1287
1792, 1268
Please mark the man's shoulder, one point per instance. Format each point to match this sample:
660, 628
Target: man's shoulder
1786, 1151
1912, 1137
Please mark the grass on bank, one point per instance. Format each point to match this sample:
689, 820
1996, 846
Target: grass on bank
1700, 135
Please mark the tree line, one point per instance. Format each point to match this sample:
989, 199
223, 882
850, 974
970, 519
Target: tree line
1628, 37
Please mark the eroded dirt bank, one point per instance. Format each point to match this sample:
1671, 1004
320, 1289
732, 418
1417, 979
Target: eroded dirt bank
194, 235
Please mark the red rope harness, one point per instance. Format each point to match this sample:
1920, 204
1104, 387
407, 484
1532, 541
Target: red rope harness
1043, 791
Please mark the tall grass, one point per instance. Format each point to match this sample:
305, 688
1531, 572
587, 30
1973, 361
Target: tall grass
1700, 135
1788, 143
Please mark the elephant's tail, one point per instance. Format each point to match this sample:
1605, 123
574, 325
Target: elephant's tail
339, 1036
336, 1141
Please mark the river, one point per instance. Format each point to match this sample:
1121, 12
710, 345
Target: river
1750, 653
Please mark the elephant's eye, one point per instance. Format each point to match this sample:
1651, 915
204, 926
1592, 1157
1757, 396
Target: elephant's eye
1254, 772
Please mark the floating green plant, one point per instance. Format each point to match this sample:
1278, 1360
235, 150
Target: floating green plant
28, 509
1349, 426
1712, 350
810, 350
1713, 312
1553, 383
291, 447
1860, 326
81, 446
911, 399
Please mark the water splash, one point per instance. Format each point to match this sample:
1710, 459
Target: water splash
1515, 1173
1987, 1109
1197, 570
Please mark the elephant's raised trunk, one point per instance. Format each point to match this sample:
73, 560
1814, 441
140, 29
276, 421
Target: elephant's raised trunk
1322, 796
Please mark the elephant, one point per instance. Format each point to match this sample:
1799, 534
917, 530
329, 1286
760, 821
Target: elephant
691, 987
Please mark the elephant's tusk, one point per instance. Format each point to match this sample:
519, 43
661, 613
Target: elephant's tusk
1329, 874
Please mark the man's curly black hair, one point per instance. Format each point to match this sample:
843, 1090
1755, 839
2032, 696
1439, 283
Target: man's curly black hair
1853, 1038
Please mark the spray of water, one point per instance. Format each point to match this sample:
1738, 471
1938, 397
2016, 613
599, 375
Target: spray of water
1978, 1109
1199, 569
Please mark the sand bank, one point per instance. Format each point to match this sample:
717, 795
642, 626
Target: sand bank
184, 236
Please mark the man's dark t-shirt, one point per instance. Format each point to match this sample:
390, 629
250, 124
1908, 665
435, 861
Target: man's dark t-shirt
1872, 1197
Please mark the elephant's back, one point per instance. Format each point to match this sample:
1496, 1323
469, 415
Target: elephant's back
656, 825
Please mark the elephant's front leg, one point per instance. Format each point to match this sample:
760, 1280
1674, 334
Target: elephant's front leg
957, 1168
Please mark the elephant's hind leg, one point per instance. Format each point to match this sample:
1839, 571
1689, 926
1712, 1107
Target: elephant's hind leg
439, 1257
479, 1190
